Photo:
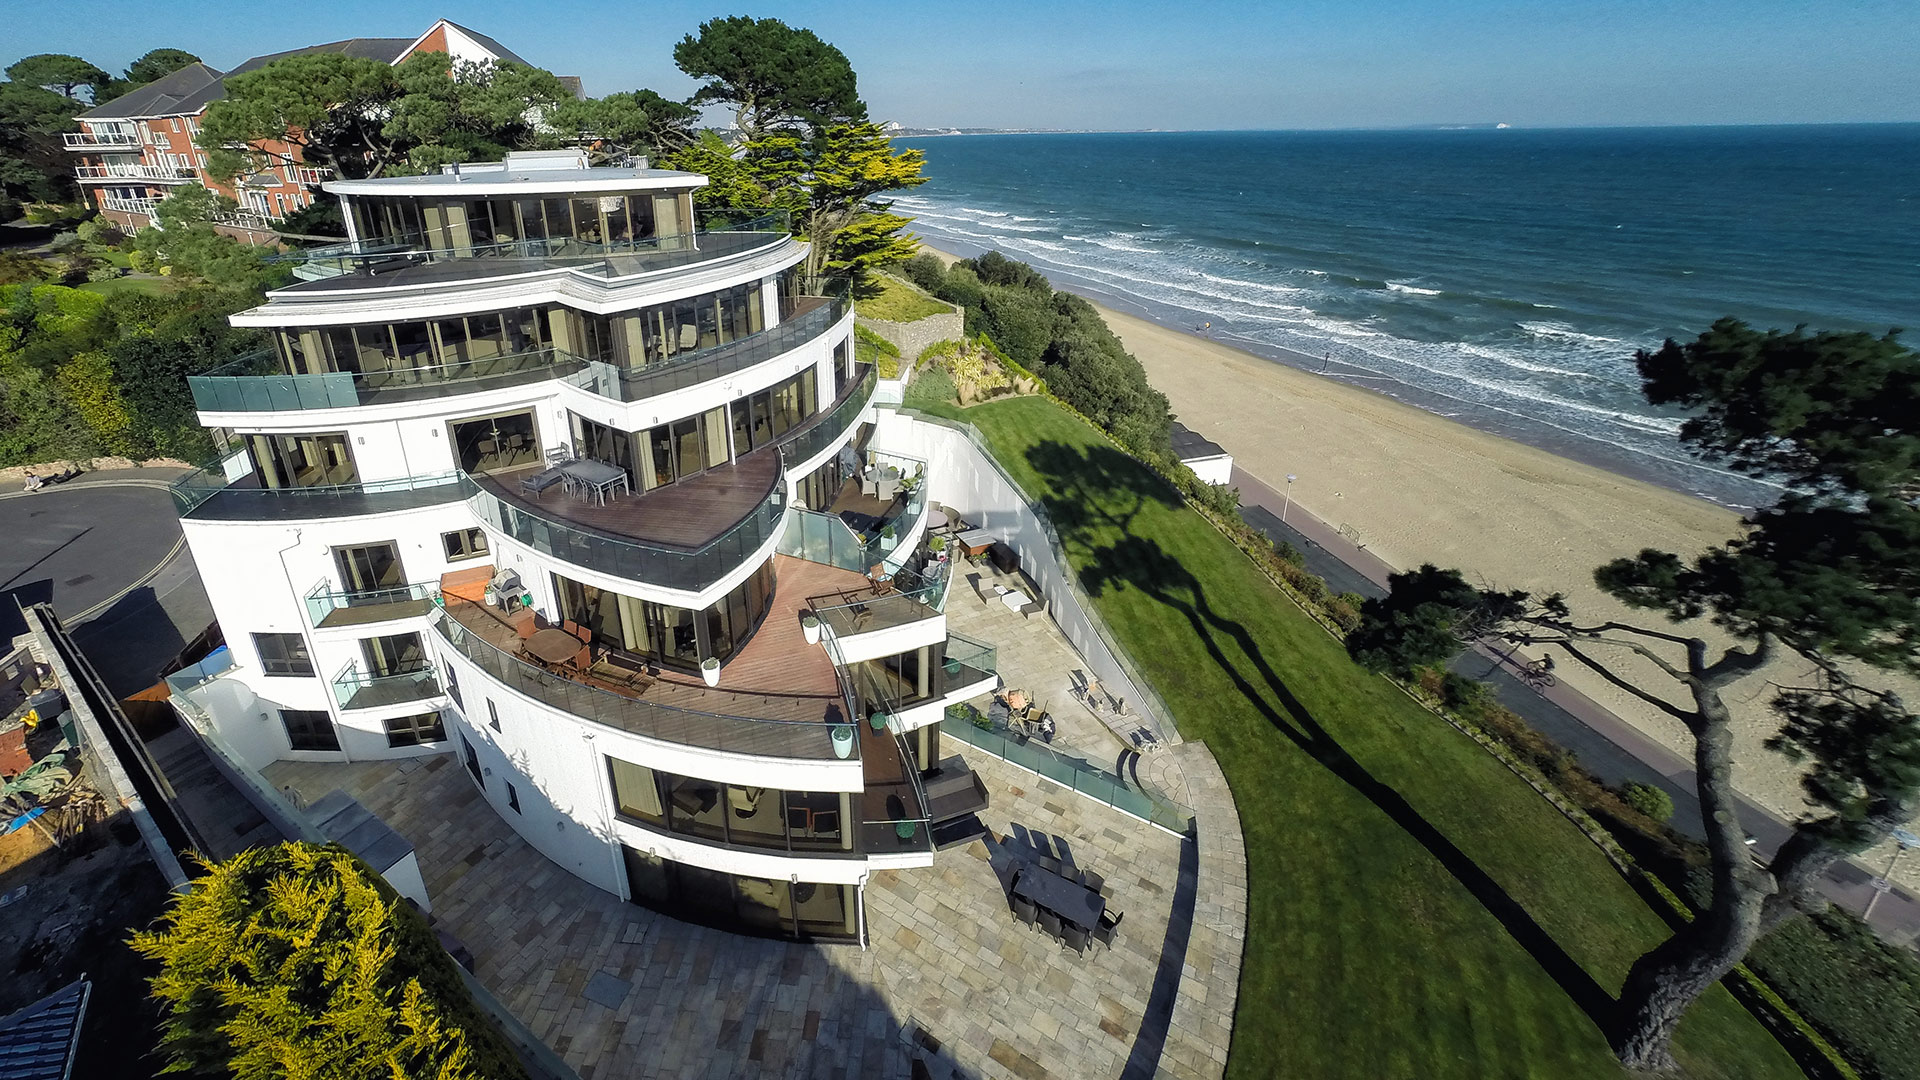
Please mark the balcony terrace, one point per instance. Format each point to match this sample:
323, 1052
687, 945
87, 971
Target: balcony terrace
258, 383
96, 141
777, 697
161, 174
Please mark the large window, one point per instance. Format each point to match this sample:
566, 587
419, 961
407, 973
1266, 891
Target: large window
662, 632
464, 544
800, 910
309, 729
701, 322
734, 814
299, 461
416, 730
761, 418
283, 654
395, 654
397, 353
492, 443
369, 567
499, 226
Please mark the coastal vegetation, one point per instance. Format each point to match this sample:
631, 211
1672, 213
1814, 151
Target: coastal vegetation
1414, 908
896, 301
298, 960
1826, 576
1060, 338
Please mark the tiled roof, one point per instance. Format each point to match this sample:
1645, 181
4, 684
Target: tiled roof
38, 1042
180, 93
1189, 444
385, 50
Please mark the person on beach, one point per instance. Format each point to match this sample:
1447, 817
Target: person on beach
34, 483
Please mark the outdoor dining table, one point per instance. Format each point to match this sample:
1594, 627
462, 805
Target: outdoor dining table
974, 541
553, 645
1072, 901
597, 477
1014, 599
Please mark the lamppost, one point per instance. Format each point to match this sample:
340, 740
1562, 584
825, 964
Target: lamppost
1287, 503
1884, 885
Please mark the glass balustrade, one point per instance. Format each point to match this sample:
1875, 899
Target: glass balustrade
212, 493
355, 689
327, 607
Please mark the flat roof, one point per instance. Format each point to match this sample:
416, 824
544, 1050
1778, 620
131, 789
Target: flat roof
490, 179
1189, 444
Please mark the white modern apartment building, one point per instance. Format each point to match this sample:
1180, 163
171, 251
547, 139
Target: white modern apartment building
550, 472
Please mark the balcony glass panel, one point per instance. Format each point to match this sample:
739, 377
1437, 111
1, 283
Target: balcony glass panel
355, 689
329, 607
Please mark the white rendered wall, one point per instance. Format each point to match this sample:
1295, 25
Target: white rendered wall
1217, 469
960, 475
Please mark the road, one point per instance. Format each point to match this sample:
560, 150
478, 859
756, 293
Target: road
105, 550
1606, 745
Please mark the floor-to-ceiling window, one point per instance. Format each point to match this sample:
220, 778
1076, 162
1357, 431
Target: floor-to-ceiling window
491, 443
367, 567
680, 637
760, 419
296, 461
798, 910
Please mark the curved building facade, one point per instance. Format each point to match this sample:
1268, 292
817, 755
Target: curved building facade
550, 472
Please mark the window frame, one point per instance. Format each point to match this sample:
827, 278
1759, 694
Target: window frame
318, 722
414, 734
286, 659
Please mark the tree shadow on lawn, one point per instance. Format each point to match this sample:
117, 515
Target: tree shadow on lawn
1102, 489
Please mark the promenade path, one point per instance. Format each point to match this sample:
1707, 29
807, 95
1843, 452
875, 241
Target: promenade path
1606, 745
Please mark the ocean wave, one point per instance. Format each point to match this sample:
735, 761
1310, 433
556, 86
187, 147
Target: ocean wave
985, 213
1402, 287
1554, 331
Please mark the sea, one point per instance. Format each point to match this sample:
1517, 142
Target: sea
1501, 277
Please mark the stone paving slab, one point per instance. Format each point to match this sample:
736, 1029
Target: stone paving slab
951, 979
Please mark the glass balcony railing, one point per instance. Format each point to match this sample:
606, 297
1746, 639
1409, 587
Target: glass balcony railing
326, 607
354, 689
692, 369
822, 432
963, 722
915, 597
716, 235
967, 662
656, 564
213, 493
257, 383
808, 740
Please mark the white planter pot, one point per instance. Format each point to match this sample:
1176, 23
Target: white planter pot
710, 671
810, 626
843, 741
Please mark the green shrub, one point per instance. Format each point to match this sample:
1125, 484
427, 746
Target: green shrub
1862, 994
898, 302
1467, 697
1345, 615
871, 348
926, 270
65, 242
1648, 799
932, 386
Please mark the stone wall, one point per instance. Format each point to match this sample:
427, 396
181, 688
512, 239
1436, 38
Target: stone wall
912, 338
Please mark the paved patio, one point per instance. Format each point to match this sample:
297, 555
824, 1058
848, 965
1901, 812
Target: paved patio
951, 980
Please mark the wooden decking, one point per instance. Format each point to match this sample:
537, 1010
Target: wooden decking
776, 675
688, 515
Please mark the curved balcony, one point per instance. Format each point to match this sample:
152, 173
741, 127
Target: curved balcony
785, 726
257, 383
207, 494
683, 536
347, 266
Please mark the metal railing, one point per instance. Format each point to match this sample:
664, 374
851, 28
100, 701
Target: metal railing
1068, 771
208, 494
323, 601
129, 205
802, 739
719, 238
354, 689
163, 173
98, 140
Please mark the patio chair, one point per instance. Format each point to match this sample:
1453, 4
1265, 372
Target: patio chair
572, 629
1027, 911
1050, 923
1093, 882
1075, 938
537, 484
1109, 925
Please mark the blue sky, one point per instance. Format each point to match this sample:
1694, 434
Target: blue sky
1132, 64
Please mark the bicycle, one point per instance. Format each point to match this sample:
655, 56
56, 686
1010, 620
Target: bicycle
1538, 675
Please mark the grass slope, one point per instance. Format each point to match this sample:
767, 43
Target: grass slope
898, 302
1414, 909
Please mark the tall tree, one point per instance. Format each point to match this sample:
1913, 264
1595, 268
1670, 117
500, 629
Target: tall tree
65, 75
771, 74
633, 121
33, 164
157, 63
1830, 574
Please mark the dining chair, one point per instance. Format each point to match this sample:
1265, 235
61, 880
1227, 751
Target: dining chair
1093, 881
1075, 938
1027, 911
1109, 924
1050, 923
572, 628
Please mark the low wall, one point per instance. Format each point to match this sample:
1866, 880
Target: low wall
912, 338
964, 476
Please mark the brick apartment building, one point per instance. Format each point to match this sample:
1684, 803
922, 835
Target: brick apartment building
134, 150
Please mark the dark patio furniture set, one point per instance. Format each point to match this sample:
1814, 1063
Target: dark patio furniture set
1070, 904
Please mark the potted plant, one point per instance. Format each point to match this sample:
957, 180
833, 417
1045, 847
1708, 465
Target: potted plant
879, 721
810, 626
887, 533
937, 545
843, 741
710, 670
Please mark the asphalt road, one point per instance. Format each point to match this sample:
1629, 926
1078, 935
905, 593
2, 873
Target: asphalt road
105, 550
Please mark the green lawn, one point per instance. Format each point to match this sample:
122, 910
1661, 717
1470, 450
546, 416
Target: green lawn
1415, 910
898, 302
153, 285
